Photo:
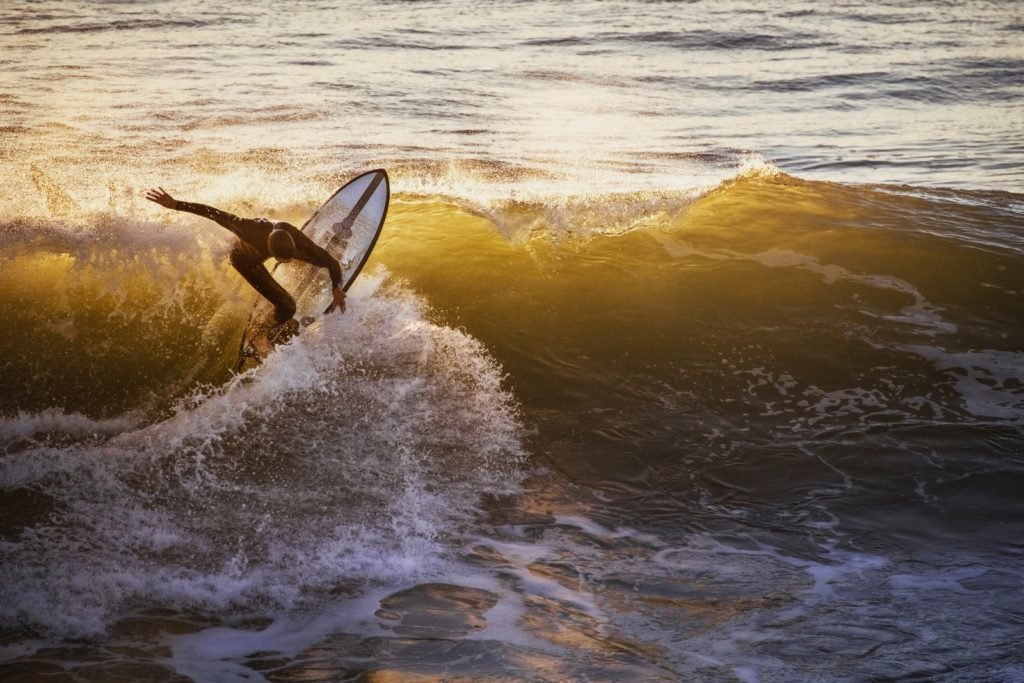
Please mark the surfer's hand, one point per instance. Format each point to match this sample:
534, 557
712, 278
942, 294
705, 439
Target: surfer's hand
160, 196
339, 300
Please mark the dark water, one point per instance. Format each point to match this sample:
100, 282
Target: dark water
693, 348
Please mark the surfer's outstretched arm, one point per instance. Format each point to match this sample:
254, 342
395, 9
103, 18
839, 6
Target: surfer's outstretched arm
222, 218
250, 231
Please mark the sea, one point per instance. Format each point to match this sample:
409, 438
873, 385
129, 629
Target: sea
692, 348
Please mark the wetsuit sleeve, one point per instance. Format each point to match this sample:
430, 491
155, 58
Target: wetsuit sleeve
309, 251
222, 218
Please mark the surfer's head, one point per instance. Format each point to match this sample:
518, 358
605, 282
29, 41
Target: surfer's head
281, 245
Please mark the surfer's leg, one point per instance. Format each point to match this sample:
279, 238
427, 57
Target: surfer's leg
256, 274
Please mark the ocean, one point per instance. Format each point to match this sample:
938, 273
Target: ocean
692, 349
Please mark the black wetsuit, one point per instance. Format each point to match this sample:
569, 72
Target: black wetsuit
251, 251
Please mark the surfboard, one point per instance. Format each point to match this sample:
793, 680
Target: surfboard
347, 225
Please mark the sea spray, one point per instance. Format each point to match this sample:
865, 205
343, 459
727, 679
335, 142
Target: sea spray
350, 456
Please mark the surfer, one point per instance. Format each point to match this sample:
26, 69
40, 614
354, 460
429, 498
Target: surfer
258, 240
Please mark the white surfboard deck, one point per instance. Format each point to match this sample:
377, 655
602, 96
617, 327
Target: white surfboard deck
347, 225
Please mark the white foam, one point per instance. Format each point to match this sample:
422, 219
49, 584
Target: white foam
351, 454
26, 424
207, 654
704, 551
945, 579
920, 313
986, 379
600, 531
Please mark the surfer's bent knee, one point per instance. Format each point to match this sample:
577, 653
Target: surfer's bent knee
284, 310
243, 258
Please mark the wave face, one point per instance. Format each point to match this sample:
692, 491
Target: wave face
765, 292
801, 386
770, 343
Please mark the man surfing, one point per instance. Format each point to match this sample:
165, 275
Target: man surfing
258, 240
